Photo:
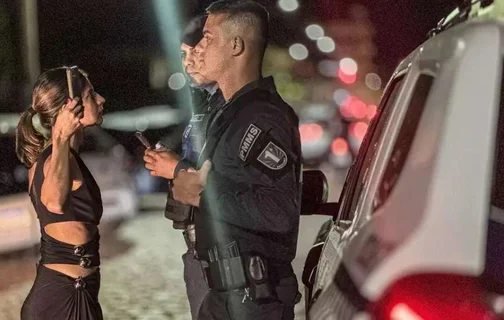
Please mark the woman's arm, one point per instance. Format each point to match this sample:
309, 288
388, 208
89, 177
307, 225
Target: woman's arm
57, 176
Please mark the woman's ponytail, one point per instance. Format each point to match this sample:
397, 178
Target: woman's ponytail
29, 142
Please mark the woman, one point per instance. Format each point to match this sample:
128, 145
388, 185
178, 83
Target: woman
65, 196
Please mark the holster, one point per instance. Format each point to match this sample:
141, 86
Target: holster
225, 268
260, 285
229, 270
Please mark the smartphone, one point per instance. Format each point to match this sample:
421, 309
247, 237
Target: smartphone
143, 140
74, 83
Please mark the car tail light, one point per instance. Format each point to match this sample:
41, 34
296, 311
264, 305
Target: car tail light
434, 297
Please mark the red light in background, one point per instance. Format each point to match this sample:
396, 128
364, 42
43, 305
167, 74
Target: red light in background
353, 107
339, 146
347, 78
346, 107
371, 112
310, 132
359, 109
358, 130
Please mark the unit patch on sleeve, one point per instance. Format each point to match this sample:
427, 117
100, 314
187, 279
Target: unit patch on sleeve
248, 140
273, 157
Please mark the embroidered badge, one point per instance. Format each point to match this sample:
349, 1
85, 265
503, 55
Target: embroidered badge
187, 130
197, 117
273, 157
248, 140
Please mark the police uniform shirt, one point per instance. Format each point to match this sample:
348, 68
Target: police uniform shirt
252, 191
195, 132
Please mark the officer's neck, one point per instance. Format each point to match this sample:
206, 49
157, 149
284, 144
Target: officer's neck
234, 81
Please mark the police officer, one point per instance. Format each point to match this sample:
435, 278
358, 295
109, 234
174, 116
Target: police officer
247, 187
166, 163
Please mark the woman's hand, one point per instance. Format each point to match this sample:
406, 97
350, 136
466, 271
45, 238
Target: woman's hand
68, 120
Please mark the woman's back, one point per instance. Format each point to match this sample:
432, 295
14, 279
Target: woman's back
65, 196
77, 224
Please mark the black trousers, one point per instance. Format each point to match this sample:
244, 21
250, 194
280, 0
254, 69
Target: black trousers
195, 281
55, 295
231, 305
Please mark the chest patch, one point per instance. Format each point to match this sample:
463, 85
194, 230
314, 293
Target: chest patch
248, 140
187, 131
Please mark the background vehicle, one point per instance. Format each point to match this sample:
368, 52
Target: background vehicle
19, 227
114, 170
419, 233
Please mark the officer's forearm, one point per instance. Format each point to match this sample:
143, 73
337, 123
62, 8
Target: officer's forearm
258, 207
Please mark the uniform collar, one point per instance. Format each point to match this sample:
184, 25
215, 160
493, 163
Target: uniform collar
263, 83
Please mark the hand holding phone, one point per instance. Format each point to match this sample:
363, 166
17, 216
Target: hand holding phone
74, 85
143, 140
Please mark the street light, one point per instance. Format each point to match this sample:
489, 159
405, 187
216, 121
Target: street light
288, 5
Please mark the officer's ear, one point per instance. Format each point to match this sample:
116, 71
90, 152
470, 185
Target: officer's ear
238, 46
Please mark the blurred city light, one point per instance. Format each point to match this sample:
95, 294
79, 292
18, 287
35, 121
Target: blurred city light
348, 66
328, 68
340, 96
372, 109
339, 146
373, 81
288, 5
158, 116
326, 44
314, 31
298, 51
310, 132
347, 78
176, 81
317, 112
353, 107
359, 109
358, 130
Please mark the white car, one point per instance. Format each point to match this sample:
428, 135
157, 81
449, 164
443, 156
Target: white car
419, 233
19, 227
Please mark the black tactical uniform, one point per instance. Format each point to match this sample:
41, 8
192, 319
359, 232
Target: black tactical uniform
252, 198
205, 106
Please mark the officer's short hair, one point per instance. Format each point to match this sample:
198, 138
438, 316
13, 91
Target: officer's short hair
245, 13
193, 32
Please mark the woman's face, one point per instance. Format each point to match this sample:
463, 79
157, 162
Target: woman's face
93, 106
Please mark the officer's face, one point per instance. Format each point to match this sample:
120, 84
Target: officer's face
213, 49
191, 64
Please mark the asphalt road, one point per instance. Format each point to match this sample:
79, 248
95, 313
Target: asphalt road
141, 266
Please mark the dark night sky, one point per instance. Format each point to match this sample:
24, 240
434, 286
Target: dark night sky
102, 24
114, 42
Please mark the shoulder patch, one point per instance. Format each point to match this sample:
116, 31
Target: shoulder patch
248, 140
273, 157
197, 117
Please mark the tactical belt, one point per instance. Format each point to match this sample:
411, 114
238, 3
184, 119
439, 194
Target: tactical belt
228, 270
